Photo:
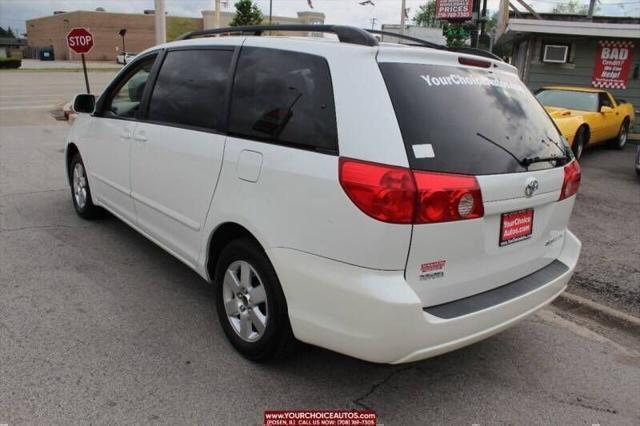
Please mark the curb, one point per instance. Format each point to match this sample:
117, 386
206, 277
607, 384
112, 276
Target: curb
585, 307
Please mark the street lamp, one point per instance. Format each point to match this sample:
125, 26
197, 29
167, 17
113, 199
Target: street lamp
122, 33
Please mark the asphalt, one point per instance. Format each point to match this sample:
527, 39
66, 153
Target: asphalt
606, 218
98, 325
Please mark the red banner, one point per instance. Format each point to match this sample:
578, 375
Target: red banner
613, 63
454, 9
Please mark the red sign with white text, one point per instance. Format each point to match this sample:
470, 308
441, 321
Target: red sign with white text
454, 9
80, 40
613, 63
516, 226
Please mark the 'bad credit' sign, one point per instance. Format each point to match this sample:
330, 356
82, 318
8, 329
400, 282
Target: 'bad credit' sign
613, 62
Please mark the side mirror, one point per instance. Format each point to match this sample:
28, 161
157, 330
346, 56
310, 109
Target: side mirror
84, 103
605, 109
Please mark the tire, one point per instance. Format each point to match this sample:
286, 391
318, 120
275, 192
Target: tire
579, 142
252, 308
623, 135
80, 191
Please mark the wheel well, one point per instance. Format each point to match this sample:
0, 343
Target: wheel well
587, 133
222, 236
72, 150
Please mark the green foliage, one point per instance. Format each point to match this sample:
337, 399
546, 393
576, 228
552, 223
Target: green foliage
426, 15
247, 13
457, 33
7, 33
177, 26
10, 63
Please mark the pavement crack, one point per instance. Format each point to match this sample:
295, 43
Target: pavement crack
359, 400
31, 192
29, 228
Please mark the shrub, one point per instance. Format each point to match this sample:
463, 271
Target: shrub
6, 63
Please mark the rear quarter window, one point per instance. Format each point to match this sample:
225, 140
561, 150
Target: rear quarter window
447, 113
285, 98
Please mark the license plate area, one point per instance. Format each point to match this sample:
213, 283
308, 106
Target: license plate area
516, 226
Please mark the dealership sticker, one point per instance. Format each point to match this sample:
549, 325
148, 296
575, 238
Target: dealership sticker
424, 150
432, 270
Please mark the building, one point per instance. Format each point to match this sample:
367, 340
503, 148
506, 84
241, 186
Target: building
51, 31
551, 49
431, 34
11, 47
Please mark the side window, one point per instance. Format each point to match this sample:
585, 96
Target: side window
191, 89
125, 100
285, 97
604, 100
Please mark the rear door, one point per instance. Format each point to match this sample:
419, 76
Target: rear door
482, 122
177, 150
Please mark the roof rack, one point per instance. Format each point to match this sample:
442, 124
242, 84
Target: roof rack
425, 43
345, 34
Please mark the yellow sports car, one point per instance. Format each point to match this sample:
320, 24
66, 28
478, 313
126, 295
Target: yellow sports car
587, 116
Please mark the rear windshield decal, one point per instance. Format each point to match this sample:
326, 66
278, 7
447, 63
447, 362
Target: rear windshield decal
424, 150
461, 80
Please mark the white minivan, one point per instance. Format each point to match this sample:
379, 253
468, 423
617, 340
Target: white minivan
385, 201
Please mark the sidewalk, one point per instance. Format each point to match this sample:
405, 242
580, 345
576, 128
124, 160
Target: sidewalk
35, 64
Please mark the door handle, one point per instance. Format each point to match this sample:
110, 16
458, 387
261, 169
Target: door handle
140, 137
126, 134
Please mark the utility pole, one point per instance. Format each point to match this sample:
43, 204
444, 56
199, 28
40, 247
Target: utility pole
270, 10
161, 25
373, 23
217, 13
592, 6
402, 17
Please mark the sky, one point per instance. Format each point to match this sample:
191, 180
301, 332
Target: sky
13, 13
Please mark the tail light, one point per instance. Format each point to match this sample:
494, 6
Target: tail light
571, 181
444, 197
398, 195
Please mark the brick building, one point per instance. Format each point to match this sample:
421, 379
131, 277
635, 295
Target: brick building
52, 30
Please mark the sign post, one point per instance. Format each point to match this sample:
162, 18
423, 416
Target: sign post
80, 40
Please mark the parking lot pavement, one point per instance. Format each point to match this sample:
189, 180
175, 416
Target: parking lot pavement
98, 325
606, 218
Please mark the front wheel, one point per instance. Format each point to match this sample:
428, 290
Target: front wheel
250, 303
80, 191
623, 135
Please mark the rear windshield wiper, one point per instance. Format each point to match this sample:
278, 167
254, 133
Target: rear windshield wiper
527, 161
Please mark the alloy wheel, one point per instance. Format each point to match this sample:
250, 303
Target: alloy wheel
79, 185
245, 301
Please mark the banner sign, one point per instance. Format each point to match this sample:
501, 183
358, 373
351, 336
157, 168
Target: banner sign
613, 63
454, 9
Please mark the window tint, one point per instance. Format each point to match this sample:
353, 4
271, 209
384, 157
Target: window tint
582, 101
284, 97
604, 100
473, 121
126, 100
191, 88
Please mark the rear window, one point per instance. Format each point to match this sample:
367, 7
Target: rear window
582, 101
469, 121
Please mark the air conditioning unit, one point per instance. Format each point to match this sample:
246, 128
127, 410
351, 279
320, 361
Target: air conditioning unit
555, 53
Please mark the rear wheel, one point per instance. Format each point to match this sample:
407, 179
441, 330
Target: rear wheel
250, 303
579, 141
623, 135
80, 191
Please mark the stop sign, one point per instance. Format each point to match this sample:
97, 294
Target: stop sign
80, 40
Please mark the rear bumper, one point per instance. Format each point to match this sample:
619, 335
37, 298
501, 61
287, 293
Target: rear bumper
376, 316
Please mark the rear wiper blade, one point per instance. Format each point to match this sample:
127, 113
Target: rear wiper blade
527, 161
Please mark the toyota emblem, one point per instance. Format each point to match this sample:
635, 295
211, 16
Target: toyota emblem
532, 187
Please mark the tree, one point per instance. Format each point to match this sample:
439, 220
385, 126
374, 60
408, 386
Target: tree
572, 7
247, 13
426, 15
7, 33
